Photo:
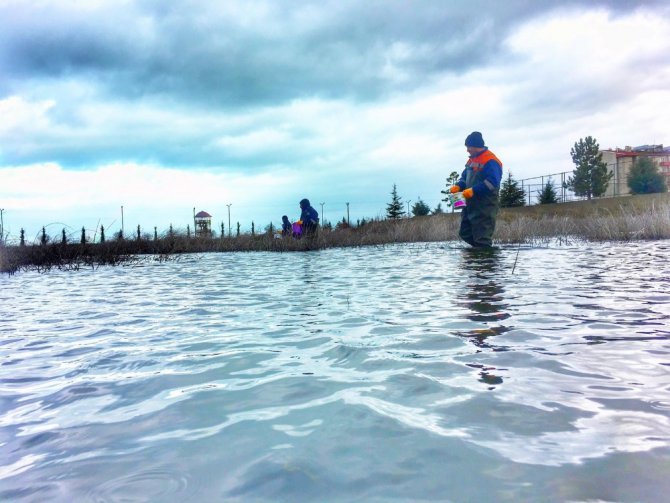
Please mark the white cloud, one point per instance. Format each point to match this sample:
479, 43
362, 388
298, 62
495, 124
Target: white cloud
19, 115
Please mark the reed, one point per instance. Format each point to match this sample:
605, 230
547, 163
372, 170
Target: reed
631, 219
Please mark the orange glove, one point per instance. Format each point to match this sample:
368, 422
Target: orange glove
468, 193
454, 189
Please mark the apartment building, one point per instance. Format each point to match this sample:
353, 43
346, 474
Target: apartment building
620, 161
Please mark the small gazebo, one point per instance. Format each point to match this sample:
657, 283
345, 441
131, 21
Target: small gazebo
203, 224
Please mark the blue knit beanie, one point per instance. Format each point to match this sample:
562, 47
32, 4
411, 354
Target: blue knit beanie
474, 139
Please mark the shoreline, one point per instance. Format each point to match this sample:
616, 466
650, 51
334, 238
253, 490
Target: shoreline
626, 218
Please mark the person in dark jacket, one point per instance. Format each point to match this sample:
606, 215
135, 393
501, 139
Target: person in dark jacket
286, 226
480, 184
309, 217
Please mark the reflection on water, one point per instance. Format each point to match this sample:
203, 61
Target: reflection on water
398, 373
484, 299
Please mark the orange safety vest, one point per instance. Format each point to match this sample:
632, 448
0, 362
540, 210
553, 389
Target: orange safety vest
477, 163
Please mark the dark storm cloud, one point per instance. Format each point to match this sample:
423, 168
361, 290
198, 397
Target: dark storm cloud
256, 53
190, 84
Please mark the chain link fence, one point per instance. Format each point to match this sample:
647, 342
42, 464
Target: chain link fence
533, 187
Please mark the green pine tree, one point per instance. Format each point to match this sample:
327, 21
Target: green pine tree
395, 209
438, 209
452, 179
644, 177
548, 194
591, 177
420, 209
511, 194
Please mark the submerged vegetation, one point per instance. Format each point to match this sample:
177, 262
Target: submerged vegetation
617, 219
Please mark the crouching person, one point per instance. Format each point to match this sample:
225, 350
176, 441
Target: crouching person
309, 218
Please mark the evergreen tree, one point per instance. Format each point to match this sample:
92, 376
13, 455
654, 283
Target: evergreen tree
23, 238
420, 209
452, 179
395, 209
63, 238
238, 230
511, 194
138, 232
102, 233
548, 194
438, 209
644, 177
253, 228
83, 235
590, 175
43, 239
155, 233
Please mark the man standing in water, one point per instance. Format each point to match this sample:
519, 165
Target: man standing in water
480, 183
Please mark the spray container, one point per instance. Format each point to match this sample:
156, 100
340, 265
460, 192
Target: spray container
457, 200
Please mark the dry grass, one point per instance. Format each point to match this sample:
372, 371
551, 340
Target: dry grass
620, 219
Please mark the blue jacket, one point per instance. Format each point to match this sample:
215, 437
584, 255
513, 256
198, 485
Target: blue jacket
482, 173
308, 216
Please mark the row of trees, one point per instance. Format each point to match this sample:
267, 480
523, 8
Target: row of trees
589, 179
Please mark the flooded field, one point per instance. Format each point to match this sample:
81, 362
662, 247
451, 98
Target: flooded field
396, 373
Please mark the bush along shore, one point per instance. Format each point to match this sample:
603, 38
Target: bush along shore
620, 219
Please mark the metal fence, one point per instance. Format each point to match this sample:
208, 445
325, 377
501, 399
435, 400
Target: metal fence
533, 187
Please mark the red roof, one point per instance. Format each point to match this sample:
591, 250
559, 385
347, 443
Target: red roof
203, 214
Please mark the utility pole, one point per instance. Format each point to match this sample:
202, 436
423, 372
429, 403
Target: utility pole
229, 229
2, 227
408, 207
122, 220
349, 224
322, 219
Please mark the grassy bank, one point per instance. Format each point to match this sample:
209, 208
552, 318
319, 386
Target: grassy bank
616, 219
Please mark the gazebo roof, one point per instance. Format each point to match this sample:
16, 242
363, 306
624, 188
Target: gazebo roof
203, 214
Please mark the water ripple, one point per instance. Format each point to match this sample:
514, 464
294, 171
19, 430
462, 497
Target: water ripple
403, 372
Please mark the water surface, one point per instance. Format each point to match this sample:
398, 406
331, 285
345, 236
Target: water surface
397, 373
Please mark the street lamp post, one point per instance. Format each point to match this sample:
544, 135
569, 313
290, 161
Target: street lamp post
229, 229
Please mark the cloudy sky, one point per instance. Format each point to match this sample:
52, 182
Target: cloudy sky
161, 107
